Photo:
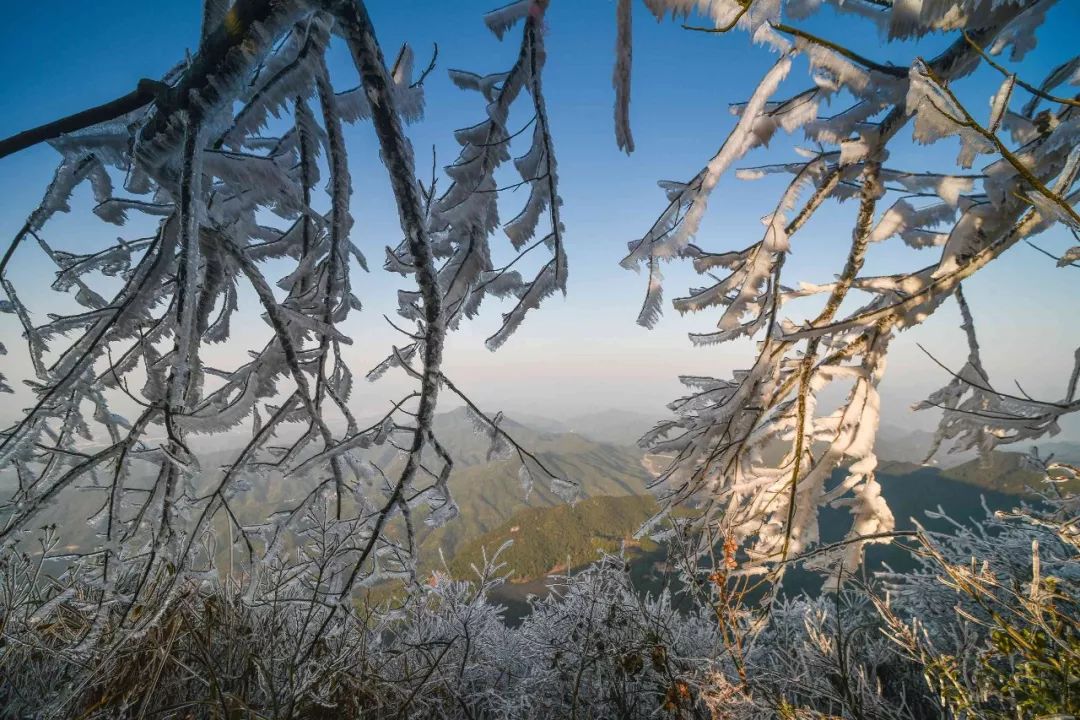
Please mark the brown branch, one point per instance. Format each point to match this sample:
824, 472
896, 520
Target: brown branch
1027, 86
848, 541
341, 191
789, 30
521, 451
942, 284
236, 30
841, 50
1052, 256
146, 92
967, 121
854, 263
359, 32
722, 28
431, 66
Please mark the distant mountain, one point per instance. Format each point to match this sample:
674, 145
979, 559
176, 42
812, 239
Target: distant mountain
613, 478
553, 538
1062, 450
1000, 471
619, 427
458, 433
897, 444
902, 444
538, 422
1004, 472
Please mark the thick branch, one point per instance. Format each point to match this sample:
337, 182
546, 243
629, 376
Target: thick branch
146, 92
220, 49
397, 155
1019, 81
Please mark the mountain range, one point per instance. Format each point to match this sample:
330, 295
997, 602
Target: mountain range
598, 453
548, 535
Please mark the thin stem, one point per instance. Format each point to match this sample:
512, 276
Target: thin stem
1019, 81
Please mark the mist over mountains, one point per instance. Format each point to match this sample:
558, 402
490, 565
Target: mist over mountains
598, 452
548, 537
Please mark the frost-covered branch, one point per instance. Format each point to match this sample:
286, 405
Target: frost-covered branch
127, 388
753, 458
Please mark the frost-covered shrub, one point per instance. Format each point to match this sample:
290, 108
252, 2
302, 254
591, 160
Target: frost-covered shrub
250, 646
969, 634
993, 613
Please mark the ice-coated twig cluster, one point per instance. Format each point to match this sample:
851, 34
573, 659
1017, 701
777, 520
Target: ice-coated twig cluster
229, 162
922, 644
753, 454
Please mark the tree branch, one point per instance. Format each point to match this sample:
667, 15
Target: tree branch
145, 93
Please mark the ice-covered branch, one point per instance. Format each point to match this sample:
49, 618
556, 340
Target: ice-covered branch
754, 456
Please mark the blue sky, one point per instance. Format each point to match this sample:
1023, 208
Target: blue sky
584, 352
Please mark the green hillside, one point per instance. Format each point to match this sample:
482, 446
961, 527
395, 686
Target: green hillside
1002, 472
488, 495
566, 536
550, 536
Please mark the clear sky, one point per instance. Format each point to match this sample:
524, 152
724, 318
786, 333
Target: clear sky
583, 353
